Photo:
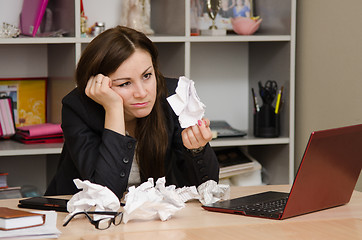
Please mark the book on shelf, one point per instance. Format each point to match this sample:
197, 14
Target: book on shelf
7, 123
233, 161
10, 192
11, 219
3, 180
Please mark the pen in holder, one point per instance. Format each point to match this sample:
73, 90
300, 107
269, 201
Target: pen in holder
266, 122
266, 118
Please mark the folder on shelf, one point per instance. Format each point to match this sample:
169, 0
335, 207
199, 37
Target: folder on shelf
43, 129
31, 15
39, 133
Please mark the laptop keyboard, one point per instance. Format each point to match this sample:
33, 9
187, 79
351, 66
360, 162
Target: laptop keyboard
271, 207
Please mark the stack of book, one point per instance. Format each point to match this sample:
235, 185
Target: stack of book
3, 180
7, 192
233, 161
7, 123
20, 224
39, 133
11, 219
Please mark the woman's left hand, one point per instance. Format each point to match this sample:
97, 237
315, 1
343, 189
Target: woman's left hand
198, 135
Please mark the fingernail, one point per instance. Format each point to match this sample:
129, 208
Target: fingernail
205, 122
199, 122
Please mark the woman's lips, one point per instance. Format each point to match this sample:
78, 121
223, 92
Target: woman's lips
143, 104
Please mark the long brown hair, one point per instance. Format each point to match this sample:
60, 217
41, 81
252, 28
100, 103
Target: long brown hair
104, 54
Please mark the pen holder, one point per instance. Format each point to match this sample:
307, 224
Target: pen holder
266, 122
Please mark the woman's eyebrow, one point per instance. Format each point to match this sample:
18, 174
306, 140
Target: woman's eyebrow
128, 78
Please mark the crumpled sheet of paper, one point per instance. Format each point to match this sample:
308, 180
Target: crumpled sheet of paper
186, 103
211, 192
92, 195
149, 201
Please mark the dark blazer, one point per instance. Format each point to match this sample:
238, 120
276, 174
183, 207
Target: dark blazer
102, 156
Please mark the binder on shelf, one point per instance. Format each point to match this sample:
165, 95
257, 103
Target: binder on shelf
7, 121
31, 15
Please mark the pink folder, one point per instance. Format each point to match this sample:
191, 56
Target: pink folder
43, 129
31, 16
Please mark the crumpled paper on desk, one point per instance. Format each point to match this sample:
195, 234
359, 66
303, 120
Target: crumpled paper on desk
211, 192
149, 201
92, 195
186, 103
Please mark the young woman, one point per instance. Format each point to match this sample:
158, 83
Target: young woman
118, 126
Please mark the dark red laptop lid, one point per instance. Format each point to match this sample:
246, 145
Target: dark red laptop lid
328, 172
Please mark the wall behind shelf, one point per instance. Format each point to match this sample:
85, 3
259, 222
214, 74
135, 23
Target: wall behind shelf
10, 10
222, 85
328, 70
108, 12
21, 61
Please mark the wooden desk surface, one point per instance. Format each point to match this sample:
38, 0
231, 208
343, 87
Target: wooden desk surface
193, 222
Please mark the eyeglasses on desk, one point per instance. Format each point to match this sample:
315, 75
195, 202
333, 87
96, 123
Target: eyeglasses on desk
102, 223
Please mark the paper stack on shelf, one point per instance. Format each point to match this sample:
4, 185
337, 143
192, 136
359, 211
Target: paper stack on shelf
39, 133
7, 124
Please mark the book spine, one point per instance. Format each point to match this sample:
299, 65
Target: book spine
6, 113
1, 125
9, 111
2, 118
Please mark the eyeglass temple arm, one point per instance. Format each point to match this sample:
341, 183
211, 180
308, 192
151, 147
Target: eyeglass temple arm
85, 213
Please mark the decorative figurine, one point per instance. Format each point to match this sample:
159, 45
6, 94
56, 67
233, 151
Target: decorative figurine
136, 14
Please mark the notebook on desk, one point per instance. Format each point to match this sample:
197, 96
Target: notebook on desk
326, 178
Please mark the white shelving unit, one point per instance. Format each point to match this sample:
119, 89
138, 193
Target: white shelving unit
224, 69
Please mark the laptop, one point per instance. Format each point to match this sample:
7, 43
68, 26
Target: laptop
326, 178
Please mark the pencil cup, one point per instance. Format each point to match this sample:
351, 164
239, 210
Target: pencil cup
266, 122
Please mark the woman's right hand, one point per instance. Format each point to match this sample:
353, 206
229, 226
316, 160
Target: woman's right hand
99, 89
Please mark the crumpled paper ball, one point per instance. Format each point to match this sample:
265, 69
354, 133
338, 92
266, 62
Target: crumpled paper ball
186, 103
149, 201
92, 195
